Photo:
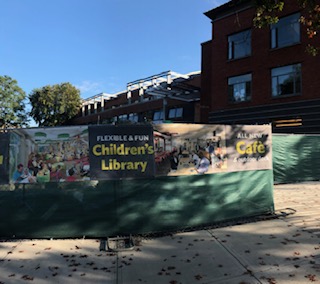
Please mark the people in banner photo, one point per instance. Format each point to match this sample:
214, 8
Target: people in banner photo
71, 177
195, 159
204, 164
174, 161
218, 158
56, 173
22, 175
43, 174
210, 149
17, 175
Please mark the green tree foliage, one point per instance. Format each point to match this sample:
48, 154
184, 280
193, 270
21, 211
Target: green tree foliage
267, 13
12, 104
54, 105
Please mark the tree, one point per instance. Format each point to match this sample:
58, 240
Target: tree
12, 107
54, 105
267, 13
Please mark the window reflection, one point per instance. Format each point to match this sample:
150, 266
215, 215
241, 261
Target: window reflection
239, 45
286, 32
286, 80
240, 88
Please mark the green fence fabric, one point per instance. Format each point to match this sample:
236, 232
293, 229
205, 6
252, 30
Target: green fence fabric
138, 206
178, 202
296, 158
121, 207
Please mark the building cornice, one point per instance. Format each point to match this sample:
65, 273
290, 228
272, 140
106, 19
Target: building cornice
228, 9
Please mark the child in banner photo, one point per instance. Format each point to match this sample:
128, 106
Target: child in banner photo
174, 161
195, 159
43, 174
203, 165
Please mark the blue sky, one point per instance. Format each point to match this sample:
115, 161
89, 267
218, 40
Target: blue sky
100, 45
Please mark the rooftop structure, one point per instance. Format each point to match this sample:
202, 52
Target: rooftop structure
167, 95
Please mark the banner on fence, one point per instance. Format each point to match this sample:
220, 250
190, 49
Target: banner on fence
121, 152
66, 154
187, 149
49, 154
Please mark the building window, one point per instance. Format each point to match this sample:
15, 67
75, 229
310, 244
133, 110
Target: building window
158, 115
286, 32
240, 88
123, 117
239, 45
286, 80
175, 112
133, 117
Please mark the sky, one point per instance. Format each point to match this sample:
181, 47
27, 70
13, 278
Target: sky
100, 45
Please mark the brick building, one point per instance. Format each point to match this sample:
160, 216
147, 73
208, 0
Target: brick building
256, 76
167, 96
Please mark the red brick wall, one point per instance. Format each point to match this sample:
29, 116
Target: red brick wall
206, 81
216, 68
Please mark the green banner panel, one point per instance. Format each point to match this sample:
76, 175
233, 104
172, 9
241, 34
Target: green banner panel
110, 208
60, 211
4, 157
296, 158
193, 201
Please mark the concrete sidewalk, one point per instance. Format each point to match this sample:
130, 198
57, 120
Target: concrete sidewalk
285, 250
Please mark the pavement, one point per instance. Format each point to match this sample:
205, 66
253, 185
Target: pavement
281, 250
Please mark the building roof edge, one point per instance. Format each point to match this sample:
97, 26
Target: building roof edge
228, 8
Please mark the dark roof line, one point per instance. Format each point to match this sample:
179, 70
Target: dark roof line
228, 8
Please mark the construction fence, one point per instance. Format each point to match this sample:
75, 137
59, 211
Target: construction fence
99, 181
